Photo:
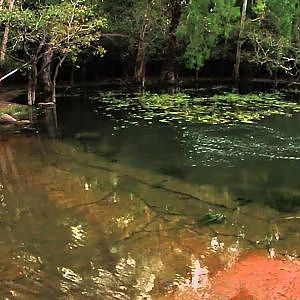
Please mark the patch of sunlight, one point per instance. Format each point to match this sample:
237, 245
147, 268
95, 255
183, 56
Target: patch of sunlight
199, 275
124, 221
70, 275
78, 235
216, 245
73, 280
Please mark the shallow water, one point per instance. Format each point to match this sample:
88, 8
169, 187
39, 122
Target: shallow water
106, 207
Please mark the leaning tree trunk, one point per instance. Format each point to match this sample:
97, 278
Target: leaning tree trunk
240, 42
6, 33
32, 83
46, 70
168, 70
61, 60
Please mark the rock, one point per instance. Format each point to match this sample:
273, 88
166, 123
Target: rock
24, 122
6, 118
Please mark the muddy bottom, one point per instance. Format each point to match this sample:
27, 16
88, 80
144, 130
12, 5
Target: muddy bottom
74, 224
253, 276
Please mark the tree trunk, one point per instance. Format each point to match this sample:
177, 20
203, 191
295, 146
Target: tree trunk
140, 64
46, 70
240, 42
168, 70
32, 82
5, 34
72, 74
61, 60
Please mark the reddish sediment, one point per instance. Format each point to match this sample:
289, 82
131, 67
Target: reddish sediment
254, 276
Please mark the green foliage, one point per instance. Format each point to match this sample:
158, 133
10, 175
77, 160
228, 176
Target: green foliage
127, 18
208, 29
203, 25
279, 15
259, 7
273, 39
67, 27
16, 110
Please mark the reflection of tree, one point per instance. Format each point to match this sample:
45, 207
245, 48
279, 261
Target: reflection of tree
50, 118
7, 165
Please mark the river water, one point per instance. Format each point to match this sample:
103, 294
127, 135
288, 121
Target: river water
95, 205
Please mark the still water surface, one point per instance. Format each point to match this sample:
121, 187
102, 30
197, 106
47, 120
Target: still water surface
106, 207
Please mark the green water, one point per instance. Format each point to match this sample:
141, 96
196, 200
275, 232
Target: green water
110, 205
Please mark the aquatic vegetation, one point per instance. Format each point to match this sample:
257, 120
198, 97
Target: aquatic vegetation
225, 108
211, 218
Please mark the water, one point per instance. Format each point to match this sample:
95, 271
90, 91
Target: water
106, 206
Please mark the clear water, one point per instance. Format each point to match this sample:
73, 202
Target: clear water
106, 207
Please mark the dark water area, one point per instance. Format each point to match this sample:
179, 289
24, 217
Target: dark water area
255, 161
107, 203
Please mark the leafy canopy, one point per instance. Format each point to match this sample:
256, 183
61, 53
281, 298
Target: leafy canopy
203, 25
66, 27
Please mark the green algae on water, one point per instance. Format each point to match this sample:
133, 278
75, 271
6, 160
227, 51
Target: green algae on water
225, 108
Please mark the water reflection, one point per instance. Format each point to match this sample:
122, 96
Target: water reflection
79, 224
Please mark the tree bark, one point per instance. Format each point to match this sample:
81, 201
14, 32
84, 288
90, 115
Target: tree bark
240, 42
140, 64
168, 70
46, 70
32, 82
5, 34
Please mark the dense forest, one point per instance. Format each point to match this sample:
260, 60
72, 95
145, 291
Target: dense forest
142, 40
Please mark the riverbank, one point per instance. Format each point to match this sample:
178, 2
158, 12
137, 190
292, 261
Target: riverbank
7, 98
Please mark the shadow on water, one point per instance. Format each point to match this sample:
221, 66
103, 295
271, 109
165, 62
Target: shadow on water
105, 207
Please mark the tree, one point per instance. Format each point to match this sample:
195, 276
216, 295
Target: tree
52, 33
239, 42
150, 28
10, 5
137, 30
203, 25
273, 36
174, 8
